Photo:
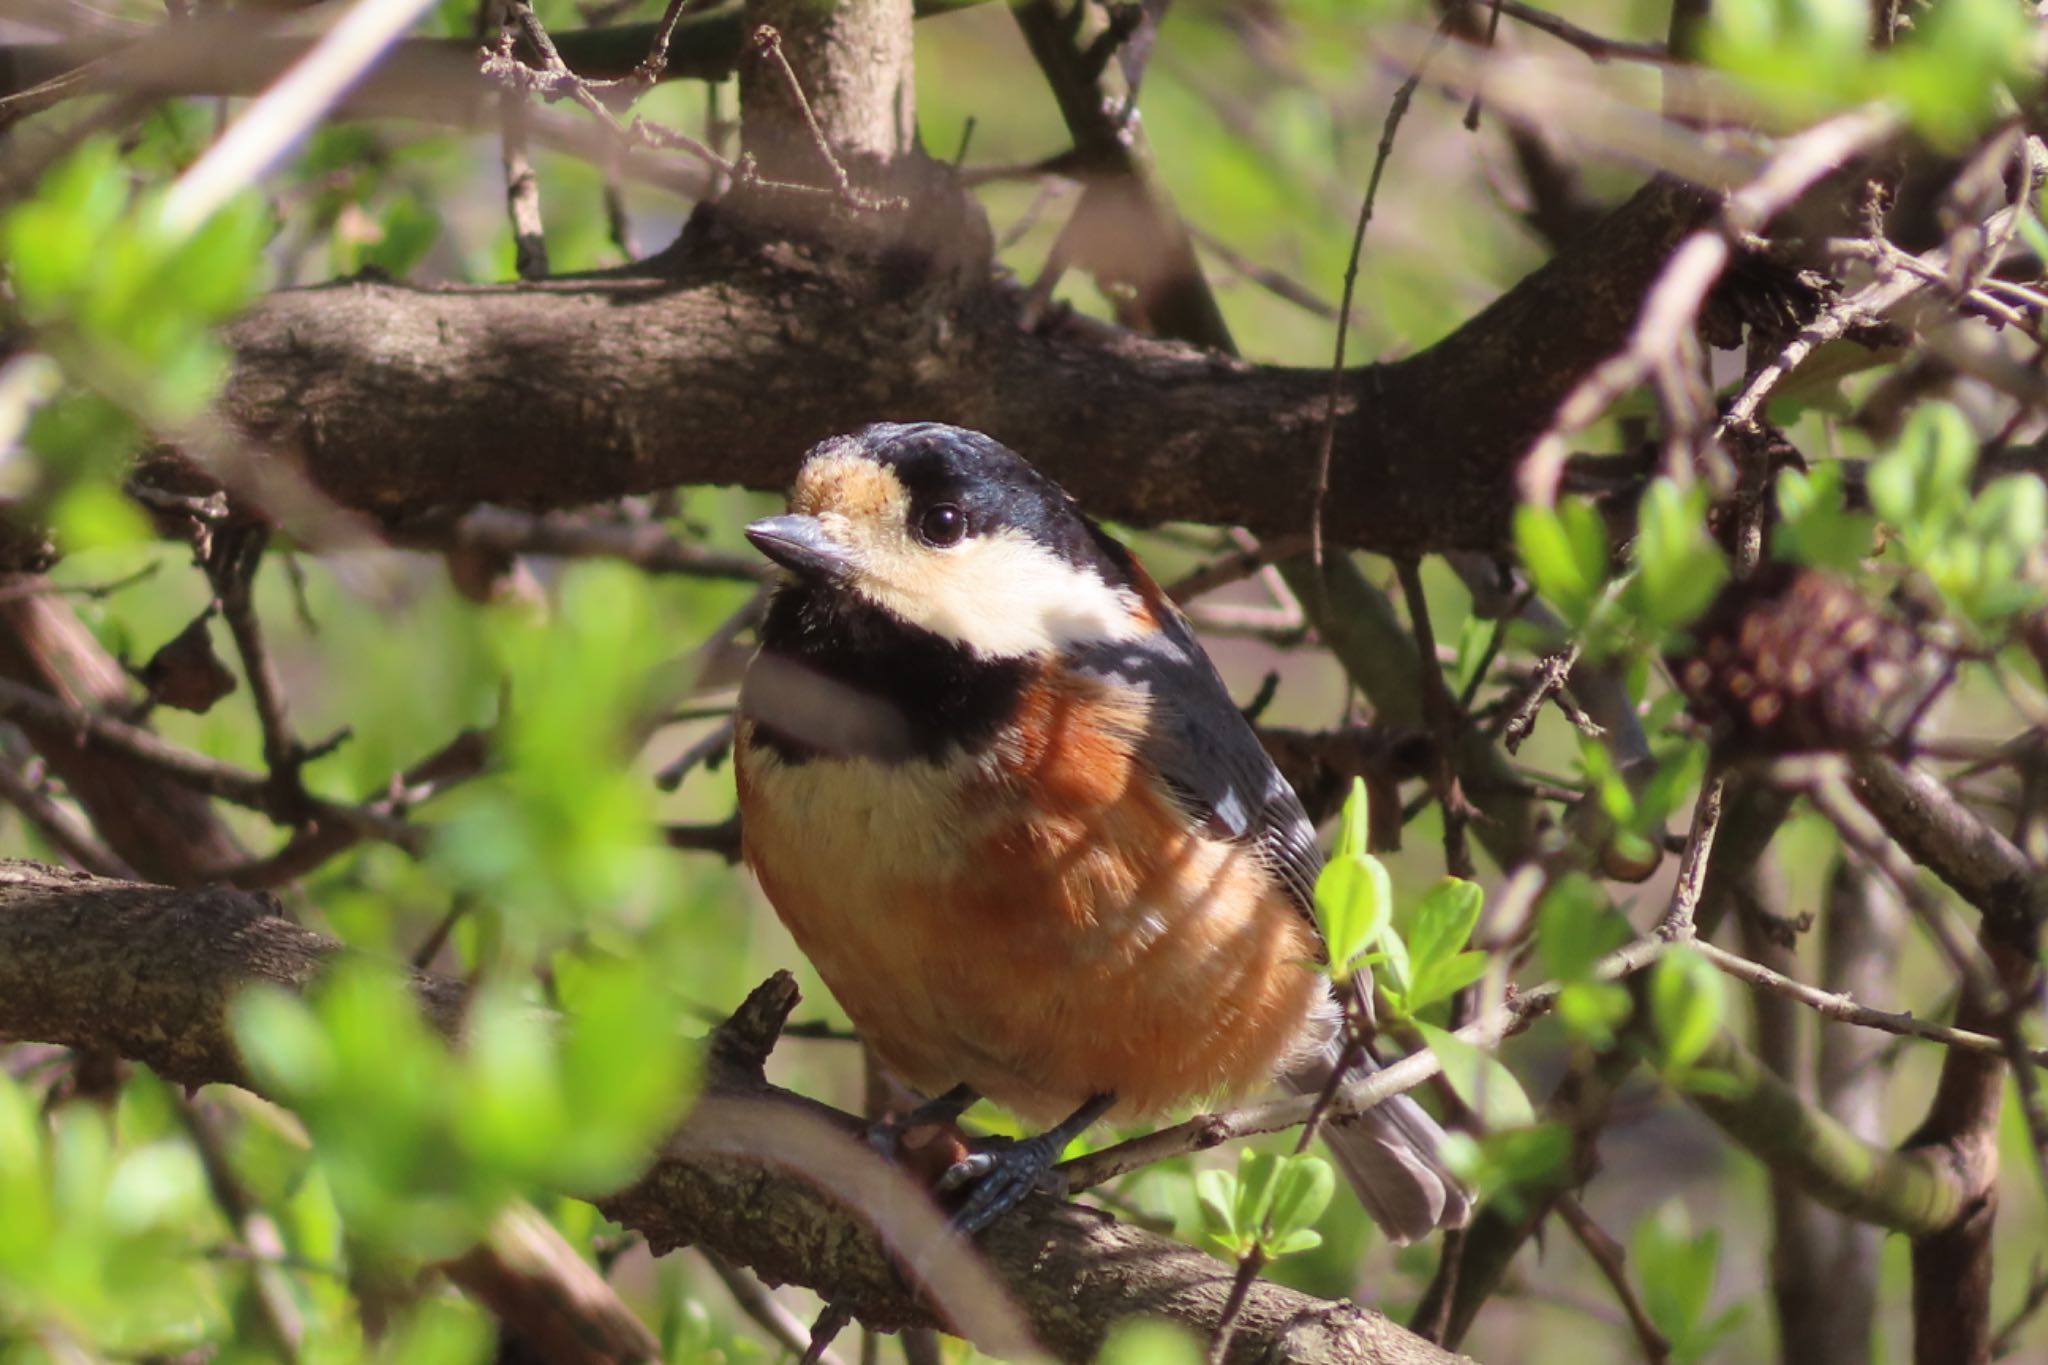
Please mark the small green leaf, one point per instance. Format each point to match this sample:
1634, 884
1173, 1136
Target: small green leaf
1564, 550
1354, 894
1258, 1173
1354, 827
1677, 1268
1686, 1002
1303, 1190
1216, 1197
1679, 568
1815, 524
1444, 920
1301, 1239
1445, 978
1575, 928
1480, 1080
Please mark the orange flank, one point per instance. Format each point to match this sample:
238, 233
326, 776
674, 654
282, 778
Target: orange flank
1042, 937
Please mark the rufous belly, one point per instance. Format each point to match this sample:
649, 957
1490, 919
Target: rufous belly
1041, 959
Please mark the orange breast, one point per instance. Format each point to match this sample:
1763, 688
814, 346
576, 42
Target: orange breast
1037, 922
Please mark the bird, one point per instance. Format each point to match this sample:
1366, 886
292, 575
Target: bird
1005, 805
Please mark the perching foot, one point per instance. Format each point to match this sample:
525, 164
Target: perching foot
1002, 1176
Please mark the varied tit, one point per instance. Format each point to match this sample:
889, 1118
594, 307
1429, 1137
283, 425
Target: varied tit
1003, 802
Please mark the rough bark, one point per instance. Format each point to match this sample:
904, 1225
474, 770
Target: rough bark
147, 972
724, 363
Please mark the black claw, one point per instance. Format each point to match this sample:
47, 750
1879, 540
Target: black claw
1003, 1178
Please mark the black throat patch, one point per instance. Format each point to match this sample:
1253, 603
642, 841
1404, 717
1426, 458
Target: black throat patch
842, 677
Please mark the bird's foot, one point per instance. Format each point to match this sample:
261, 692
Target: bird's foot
1001, 1176
997, 1179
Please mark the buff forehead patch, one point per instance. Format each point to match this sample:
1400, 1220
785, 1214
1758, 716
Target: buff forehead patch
848, 481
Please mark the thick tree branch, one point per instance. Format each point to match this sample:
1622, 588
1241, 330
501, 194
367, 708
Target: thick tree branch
727, 366
148, 972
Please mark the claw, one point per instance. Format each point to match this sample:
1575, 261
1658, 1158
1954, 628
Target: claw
967, 1170
1003, 1176
1003, 1179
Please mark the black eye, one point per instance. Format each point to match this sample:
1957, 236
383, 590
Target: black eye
942, 524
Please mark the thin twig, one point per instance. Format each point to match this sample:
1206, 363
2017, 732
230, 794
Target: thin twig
238, 786
1597, 46
2037, 1295
522, 190
1397, 110
1677, 924
1673, 304
713, 742
275, 1304
1608, 1255
1844, 1009
1545, 682
1277, 283
1240, 564
753, 1299
1446, 723
656, 61
232, 560
555, 80
67, 834
769, 44
722, 838
96, 592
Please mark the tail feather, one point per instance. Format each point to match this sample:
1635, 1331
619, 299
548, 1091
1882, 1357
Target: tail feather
1392, 1155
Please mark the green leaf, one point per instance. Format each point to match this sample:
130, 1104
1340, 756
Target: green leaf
1480, 1080
1216, 1199
1354, 828
1815, 524
1922, 485
1354, 894
1679, 568
1258, 1174
408, 231
1444, 920
1677, 1269
1687, 998
2012, 510
1445, 977
1575, 928
1301, 1239
1300, 1194
1564, 550
1591, 1010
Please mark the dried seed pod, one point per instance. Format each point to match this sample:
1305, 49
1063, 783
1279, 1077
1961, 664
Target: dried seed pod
1793, 660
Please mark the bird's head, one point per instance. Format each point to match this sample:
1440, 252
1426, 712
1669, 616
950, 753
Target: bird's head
953, 533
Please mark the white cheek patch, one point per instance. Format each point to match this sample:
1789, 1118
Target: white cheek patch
1002, 595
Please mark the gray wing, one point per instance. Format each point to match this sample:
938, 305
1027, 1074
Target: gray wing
1204, 752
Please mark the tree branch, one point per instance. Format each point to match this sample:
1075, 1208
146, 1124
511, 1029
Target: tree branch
728, 364
147, 972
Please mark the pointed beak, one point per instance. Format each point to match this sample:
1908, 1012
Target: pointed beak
800, 544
